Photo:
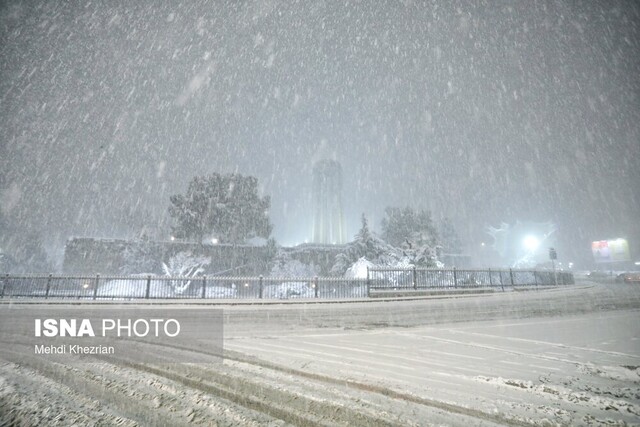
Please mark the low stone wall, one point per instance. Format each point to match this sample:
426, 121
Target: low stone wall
89, 256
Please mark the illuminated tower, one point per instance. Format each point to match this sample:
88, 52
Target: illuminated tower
328, 218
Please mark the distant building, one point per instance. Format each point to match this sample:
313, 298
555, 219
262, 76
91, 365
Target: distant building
328, 216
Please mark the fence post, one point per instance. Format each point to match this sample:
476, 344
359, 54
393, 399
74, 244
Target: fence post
204, 287
95, 288
535, 278
368, 284
315, 285
5, 282
455, 278
46, 293
490, 279
415, 279
260, 279
147, 291
511, 275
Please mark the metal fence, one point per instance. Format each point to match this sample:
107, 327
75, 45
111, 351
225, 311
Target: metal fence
161, 287
389, 278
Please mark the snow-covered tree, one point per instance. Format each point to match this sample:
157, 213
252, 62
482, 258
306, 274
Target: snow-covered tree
227, 207
412, 232
408, 228
186, 265
421, 256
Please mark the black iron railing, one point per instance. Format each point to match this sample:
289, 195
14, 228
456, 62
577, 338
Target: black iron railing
215, 287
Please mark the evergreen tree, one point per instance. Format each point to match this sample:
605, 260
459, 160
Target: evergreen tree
225, 206
365, 244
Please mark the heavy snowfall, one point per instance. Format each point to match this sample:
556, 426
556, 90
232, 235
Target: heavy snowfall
483, 113
269, 158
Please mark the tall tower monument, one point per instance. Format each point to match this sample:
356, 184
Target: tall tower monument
328, 217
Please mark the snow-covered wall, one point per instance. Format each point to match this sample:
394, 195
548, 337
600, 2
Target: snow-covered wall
112, 256
322, 256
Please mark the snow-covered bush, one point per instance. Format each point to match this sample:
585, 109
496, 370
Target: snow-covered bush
187, 265
159, 288
358, 269
136, 288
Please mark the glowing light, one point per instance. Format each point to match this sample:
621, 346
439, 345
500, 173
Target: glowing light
531, 243
214, 241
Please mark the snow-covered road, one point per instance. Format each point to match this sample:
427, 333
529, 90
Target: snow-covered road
576, 369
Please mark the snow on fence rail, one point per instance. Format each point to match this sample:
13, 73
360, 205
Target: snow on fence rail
150, 286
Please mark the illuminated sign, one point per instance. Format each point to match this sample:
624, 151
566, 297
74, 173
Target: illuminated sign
610, 250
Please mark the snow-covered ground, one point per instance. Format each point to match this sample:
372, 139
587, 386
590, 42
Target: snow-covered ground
567, 356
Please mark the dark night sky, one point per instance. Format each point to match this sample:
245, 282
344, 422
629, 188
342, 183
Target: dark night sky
485, 112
